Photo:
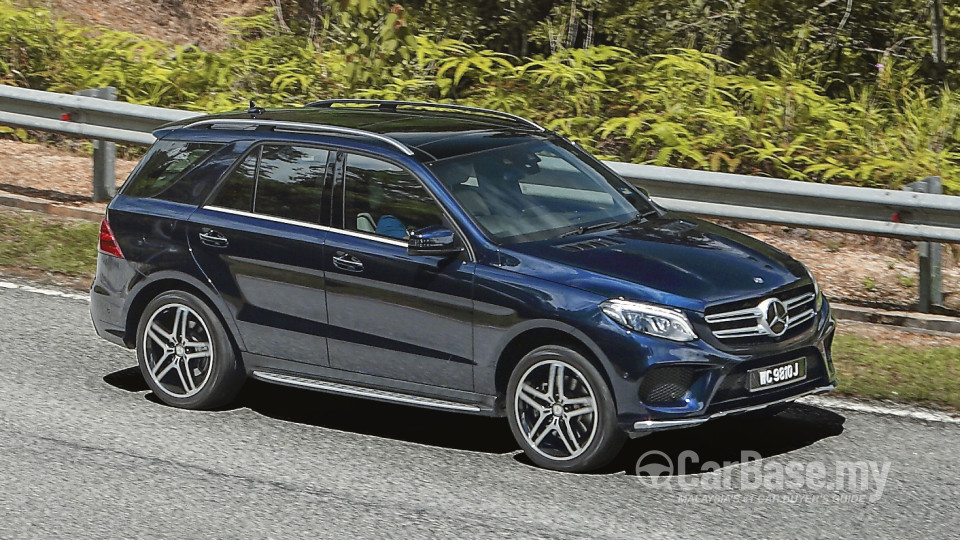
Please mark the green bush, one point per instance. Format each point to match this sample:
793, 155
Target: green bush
683, 108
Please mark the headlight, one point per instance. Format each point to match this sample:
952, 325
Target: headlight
817, 295
649, 319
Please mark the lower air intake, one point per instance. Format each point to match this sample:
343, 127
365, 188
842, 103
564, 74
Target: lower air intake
666, 386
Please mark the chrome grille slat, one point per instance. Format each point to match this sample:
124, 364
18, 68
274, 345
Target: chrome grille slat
800, 309
801, 318
799, 300
740, 314
739, 332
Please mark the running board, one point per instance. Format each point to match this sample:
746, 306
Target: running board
360, 391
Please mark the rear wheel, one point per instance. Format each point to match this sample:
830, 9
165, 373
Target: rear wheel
185, 354
562, 412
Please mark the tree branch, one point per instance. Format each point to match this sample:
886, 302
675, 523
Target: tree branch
280, 22
846, 16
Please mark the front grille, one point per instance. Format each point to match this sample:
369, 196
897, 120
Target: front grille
748, 322
666, 385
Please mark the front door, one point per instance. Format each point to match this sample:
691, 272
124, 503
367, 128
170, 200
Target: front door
391, 314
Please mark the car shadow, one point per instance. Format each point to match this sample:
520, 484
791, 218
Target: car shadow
730, 441
129, 379
719, 441
379, 419
355, 415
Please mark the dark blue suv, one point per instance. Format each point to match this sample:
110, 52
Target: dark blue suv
446, 257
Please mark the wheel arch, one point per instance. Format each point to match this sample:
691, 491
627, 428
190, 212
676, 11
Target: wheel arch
165, 282
536, 334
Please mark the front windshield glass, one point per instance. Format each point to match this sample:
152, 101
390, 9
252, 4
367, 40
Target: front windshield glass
538, 190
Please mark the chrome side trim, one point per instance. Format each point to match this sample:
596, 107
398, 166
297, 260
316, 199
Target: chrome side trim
359, 391
368, 236
299, 127
324, 228
265, 217
654, 425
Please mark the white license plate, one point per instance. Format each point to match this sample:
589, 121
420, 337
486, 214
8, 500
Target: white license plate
778, 375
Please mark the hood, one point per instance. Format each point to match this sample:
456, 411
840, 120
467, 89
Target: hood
671, 260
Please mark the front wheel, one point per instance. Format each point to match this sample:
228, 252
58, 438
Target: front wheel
185, 354
561, 411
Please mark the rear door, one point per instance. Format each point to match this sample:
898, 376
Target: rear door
259, 241
391, 314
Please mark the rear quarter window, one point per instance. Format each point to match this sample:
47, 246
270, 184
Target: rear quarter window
166, 166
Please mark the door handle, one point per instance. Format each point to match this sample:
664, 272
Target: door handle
345, 261
213, 238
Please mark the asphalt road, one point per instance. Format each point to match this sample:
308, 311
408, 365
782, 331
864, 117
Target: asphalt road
87, 452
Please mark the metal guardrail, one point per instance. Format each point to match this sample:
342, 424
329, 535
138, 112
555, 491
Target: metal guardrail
86, 117
880, 212
90, 114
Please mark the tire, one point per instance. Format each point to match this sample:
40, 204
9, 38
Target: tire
185, 354
572, 431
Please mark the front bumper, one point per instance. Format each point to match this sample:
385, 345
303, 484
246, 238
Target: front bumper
672, 385
660, 425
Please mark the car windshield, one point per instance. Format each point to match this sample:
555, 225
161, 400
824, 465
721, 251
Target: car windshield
538, 190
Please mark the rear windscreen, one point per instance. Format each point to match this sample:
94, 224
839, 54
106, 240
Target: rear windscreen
164, 167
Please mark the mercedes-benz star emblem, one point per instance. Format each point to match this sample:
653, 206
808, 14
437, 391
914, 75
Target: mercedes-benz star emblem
774, 318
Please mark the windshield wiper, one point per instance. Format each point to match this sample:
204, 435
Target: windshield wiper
588, 228
639, 218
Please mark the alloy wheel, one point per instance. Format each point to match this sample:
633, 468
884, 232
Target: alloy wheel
556, 410
178, 350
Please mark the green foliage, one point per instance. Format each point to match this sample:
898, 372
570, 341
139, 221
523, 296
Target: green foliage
678, 107
375, 38
18, 133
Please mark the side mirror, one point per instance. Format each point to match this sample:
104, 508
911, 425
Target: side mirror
433, 240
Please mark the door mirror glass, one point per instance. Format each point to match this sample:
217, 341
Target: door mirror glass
433, 240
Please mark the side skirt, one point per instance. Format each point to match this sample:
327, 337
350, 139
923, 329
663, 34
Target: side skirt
335, 381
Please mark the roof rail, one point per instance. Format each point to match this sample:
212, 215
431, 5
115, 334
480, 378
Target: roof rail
390, 105
295, 127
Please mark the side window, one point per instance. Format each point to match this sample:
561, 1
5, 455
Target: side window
237, 190
277, 180
384, 199
290, 182
165, 165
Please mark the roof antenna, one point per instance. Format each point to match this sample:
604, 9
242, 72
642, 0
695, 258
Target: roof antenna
254, 111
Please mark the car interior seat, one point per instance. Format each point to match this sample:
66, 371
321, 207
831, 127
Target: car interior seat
365, 222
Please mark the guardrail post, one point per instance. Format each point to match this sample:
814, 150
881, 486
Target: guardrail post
931, 279
104, 153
